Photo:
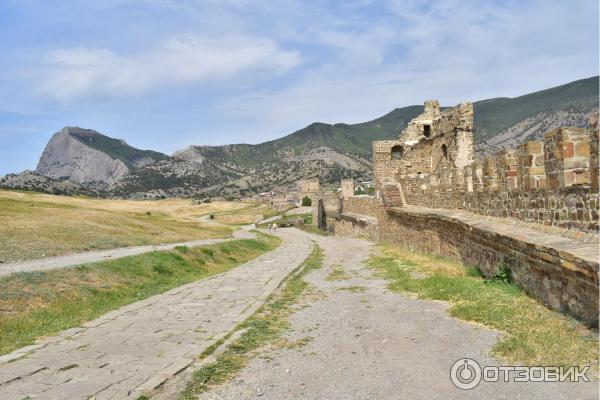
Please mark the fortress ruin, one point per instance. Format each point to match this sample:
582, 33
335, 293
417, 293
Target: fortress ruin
532, 209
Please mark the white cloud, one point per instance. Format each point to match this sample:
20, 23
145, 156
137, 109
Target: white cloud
451, 50
81, 72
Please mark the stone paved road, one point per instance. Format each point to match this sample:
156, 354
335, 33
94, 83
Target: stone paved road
365, 342
136, 348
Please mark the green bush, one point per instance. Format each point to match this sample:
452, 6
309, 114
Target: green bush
501, 276
306, 201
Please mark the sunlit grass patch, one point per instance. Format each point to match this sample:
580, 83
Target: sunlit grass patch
266, 326
247, 215
35, 304
35, 225
337, 274
353, 289
534, 334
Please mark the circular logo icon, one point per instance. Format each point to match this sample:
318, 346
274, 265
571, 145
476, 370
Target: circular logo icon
465, 374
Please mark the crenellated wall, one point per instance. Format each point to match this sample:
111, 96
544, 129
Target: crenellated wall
433, 196
554, 182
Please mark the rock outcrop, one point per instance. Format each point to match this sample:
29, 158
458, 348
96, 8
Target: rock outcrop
67, 157
33, 181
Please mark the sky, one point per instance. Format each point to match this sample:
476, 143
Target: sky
166, 74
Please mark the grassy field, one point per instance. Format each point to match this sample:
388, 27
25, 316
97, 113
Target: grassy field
36, 304
35, 225
267, 325
533, 334
246, 215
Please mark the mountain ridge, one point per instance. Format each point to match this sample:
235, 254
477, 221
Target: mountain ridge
325, 151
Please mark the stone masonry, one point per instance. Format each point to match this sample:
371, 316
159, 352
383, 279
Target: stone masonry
532, 209
554, 182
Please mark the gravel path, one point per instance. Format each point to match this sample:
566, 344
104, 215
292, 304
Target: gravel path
370, 343
139, 346
73, 260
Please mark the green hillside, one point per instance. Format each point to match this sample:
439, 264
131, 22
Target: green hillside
345, 138
494, 115
491, 117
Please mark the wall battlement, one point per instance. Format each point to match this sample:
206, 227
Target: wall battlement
554, 182
433, 195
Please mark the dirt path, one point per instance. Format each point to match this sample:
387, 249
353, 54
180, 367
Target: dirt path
365, 342
138, 347
72, 260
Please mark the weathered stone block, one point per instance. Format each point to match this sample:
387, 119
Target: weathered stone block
533, 147
347, 188
576, 163
567, 150
582, 149
490, 173
563, 167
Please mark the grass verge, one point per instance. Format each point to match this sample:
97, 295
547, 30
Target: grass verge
247, 215
36, 304
313, 229
266, 325
534, 334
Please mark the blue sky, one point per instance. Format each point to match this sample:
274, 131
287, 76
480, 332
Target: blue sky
165, 74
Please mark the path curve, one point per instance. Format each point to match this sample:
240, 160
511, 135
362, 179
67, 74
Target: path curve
138, 347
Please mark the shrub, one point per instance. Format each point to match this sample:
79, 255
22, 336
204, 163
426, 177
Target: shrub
502, 276
306, 201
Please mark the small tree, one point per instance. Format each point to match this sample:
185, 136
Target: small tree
306, 201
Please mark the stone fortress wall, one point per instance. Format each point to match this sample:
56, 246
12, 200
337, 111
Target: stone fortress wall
554, 182
533, 209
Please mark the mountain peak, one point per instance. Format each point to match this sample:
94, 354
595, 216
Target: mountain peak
86, 156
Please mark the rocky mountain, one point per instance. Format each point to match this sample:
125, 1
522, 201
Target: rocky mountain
88, 160
191, 173
33, 181
506, 122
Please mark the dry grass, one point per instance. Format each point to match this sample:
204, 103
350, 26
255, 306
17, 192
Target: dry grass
246, 215
532, 333
35, 225
428, 263
337, 274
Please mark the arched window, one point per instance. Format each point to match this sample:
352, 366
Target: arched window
445, 151
397, 152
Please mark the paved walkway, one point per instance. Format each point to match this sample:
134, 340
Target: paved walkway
362, 341
138, 347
